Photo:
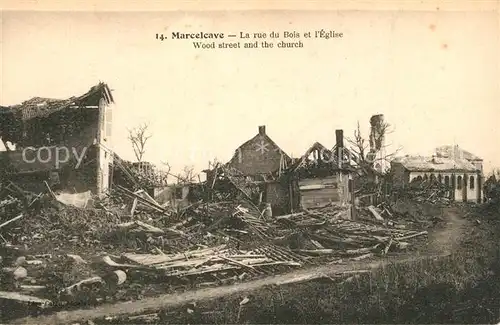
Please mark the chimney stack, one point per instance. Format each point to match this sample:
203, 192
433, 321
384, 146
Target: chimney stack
262, 130
339, 135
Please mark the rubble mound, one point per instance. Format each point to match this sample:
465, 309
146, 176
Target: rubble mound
70, 256
63, 226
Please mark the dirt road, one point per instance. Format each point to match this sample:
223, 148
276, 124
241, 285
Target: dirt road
445, 239
441, 243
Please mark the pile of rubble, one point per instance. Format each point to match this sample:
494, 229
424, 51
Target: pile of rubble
326, 232
129, 246
431, 191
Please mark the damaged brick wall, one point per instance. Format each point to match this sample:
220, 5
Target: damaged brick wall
258, 156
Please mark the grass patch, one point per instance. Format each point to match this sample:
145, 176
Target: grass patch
427, 291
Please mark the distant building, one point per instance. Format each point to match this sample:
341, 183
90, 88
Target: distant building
458, 169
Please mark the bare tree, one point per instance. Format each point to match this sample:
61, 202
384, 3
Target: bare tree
188, 175
359, 143
167, 167
138, 137
366, 151
213, 163
491, 186
165, 172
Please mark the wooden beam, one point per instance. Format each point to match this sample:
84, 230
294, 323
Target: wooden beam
11, 220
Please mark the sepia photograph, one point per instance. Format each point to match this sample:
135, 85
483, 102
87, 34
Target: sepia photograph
250, 163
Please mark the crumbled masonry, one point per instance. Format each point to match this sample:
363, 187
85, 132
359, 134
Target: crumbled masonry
57, 256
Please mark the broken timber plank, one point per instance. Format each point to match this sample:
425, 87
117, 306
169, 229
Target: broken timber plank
11, 220
42, 303
32, 288
147, 197
142, 200
145, 227
50, 190
412, 236
150, 259
374, 212
134, 206
77, 286
386, 250
362, 257
317, 252
364, 250
109, 262
238, 263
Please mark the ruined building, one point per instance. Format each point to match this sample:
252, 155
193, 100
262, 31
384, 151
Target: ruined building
65, 143
319, 178
322, 177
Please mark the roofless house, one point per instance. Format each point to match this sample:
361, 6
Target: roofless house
64, 142
322, 177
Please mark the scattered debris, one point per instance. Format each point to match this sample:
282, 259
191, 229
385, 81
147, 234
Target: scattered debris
124, 245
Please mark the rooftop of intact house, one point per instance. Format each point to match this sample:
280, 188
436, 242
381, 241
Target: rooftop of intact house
449, 151
423, 163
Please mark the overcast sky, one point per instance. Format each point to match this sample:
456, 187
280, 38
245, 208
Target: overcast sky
434, 75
